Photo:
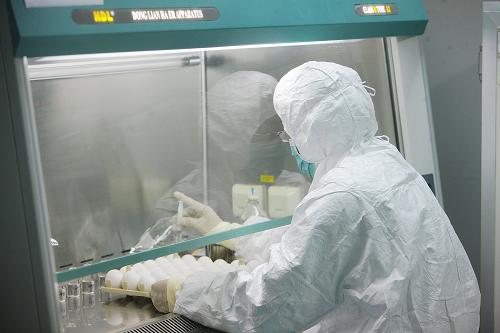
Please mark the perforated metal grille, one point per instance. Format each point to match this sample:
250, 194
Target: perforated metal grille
174, 324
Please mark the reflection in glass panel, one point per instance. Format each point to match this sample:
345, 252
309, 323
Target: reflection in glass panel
244, 152
110, 146
121, 133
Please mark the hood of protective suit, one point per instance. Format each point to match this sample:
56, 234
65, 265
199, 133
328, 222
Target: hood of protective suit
325, 109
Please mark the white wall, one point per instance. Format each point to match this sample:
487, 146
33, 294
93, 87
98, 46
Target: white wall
451, 45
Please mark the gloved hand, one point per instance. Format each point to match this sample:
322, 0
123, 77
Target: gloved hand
197, 216
163, 294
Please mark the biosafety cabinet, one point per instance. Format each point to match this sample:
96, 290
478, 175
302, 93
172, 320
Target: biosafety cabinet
125, 102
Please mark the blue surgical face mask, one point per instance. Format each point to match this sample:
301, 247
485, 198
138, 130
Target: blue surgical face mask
306, 168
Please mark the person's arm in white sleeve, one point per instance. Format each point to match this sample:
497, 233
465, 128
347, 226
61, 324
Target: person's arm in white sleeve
298, 284
257, 246
206, 221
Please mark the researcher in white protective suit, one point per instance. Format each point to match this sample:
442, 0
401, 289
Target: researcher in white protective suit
369, 249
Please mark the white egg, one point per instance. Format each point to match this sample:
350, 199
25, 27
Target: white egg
158, 274
191, 262
172, 256
143, 274
140, 268
208, 264
220, 262
150, 264
198, 267
145, 283
223, 266
180, 266
235, 265
158, 277
155, 269
113, 279
160, 262
171, 271
130, 280
205, 259
188, 258
217, 267
125, 269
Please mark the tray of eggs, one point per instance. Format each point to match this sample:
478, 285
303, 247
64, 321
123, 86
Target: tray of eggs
137, 279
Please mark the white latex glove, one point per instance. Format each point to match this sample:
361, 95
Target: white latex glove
163, 294
197, 215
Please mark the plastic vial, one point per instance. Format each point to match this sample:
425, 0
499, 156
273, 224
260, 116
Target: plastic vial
73, 288
101, 282
61, 292
176, 226
253, 207
88, 285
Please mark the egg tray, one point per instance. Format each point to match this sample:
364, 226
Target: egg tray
126, 292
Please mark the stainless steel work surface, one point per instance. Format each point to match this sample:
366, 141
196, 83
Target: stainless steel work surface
85, 314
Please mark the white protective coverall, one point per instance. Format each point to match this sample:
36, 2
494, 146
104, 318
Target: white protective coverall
369, 249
